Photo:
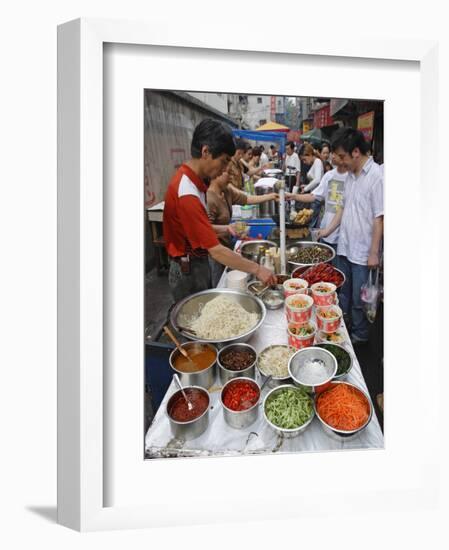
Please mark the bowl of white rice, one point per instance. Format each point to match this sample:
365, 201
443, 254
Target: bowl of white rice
273, 361
218, 315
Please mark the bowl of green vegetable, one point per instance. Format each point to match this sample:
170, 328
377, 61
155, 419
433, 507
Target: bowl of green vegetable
343, 357
288, 410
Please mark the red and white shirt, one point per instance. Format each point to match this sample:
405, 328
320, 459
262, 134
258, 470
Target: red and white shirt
187, 229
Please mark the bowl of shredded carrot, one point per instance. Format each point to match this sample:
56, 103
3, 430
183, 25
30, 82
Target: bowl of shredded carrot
343, 409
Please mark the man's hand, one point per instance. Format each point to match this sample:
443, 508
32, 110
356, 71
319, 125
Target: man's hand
265, 275
321, 233
373, 260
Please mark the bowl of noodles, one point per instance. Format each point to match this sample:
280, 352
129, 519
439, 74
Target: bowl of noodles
218, 315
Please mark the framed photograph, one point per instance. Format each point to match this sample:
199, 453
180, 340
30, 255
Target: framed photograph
114, 471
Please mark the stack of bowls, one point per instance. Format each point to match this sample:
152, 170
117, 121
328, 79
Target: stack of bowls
236, 280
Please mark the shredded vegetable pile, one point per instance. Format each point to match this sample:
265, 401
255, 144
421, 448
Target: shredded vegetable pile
289, 408
343, 407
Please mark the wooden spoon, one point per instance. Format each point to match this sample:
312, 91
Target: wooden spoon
181, 350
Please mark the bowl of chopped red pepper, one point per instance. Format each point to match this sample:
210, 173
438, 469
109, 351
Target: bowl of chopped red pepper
323, 272
240, 399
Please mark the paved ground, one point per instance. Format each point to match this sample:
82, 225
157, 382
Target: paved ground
158, 301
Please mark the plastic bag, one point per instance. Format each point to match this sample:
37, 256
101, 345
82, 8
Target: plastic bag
370, 294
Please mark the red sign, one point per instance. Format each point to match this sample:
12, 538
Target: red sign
365, 123
294, 135
273, 108
322, 117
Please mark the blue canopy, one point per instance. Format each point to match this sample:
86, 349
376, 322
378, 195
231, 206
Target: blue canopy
278, 137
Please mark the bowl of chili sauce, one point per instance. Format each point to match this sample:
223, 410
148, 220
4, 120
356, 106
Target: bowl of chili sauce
189, 424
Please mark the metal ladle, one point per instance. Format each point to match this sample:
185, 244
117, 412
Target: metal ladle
178, 383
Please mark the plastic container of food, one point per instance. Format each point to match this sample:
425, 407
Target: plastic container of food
301, 336
337, 337
323, 294
298, 308
295, 286
328, 318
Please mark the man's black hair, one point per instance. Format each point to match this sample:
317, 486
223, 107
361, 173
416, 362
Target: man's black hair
216, 135
349, 139
291, 143
321, 146
242, 144
271, 146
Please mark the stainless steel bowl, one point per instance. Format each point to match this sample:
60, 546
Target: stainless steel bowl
287, 433
240, 419
311, 353
193, 428
227, 374
204, 378
343, 375
300, 270
273, 298
274, 382
250, 249
343, 435
188, 309
308, 244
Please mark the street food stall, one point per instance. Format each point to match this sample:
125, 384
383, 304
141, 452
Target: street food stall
278, 372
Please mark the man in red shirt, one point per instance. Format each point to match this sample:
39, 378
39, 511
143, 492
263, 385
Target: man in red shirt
188, 233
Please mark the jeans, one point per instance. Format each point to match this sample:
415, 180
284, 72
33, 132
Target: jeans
183, 284
349, 296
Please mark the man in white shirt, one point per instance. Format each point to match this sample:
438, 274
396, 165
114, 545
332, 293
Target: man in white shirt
263, 156
331, 191
361, 226
292, 161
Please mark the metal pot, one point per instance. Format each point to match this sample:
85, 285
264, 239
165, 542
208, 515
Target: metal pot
240, 419
227, 374
193, 428
251, 249
266, 209
204, 378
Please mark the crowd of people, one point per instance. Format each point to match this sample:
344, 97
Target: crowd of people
340, 180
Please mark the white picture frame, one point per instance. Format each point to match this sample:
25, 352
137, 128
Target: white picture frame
81, 338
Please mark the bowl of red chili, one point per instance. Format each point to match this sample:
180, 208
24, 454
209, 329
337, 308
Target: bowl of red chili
236, 360
240, 399
343, 409
189, 424
322, 272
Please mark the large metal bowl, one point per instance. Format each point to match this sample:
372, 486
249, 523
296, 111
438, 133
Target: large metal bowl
311, 353
188, 309
250, 249
343, 435
309, 244
285, 432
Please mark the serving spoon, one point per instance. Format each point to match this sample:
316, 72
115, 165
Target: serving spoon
181, 350
178, 383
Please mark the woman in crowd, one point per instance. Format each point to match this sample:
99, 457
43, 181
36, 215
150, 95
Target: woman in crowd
221, 195
316, 169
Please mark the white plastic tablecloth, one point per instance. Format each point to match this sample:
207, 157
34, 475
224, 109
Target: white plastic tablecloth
259, 438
